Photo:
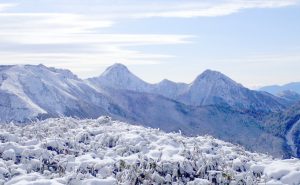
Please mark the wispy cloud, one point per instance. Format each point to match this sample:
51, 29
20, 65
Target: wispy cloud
118, 39
49, 23
180, 8
215, 8
54, 31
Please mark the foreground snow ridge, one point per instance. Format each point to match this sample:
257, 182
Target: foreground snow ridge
102, 151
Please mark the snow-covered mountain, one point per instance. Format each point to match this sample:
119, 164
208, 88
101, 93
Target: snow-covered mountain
209, 88
289, 92
106, 152
276, 89
212, 87
169, 89
38, 92
118, 76
29, 92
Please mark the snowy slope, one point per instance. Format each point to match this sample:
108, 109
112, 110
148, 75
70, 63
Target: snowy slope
169, 89
119, 77
13, 101
29, 91
101, 151
209, 88
212, 87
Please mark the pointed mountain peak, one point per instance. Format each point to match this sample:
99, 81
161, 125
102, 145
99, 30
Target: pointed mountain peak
118, 76
213, 76
116, 68
210, 71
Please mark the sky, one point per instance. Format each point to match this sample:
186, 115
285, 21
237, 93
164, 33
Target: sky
255, 42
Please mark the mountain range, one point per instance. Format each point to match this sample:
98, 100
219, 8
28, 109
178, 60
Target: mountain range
209, 88
212, 104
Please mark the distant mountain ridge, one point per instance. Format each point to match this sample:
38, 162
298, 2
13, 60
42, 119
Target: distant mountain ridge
209, 88
212, 104
290, 92
275, 89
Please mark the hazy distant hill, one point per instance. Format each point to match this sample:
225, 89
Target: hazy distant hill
276, 89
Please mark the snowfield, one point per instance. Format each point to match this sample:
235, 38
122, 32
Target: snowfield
102, 151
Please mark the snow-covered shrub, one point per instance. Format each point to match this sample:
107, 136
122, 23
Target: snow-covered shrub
9, 155
102, 151
4, 173
199, 182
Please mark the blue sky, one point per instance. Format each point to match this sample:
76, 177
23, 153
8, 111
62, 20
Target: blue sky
255, 42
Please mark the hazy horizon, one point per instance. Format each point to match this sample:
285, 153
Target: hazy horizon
256, 43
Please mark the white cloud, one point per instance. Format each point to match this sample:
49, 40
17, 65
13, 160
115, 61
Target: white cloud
171, 8
93, 38
213, 9
181, 8
49, 23
51, 30
64, 28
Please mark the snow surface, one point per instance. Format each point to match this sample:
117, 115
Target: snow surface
102, 151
